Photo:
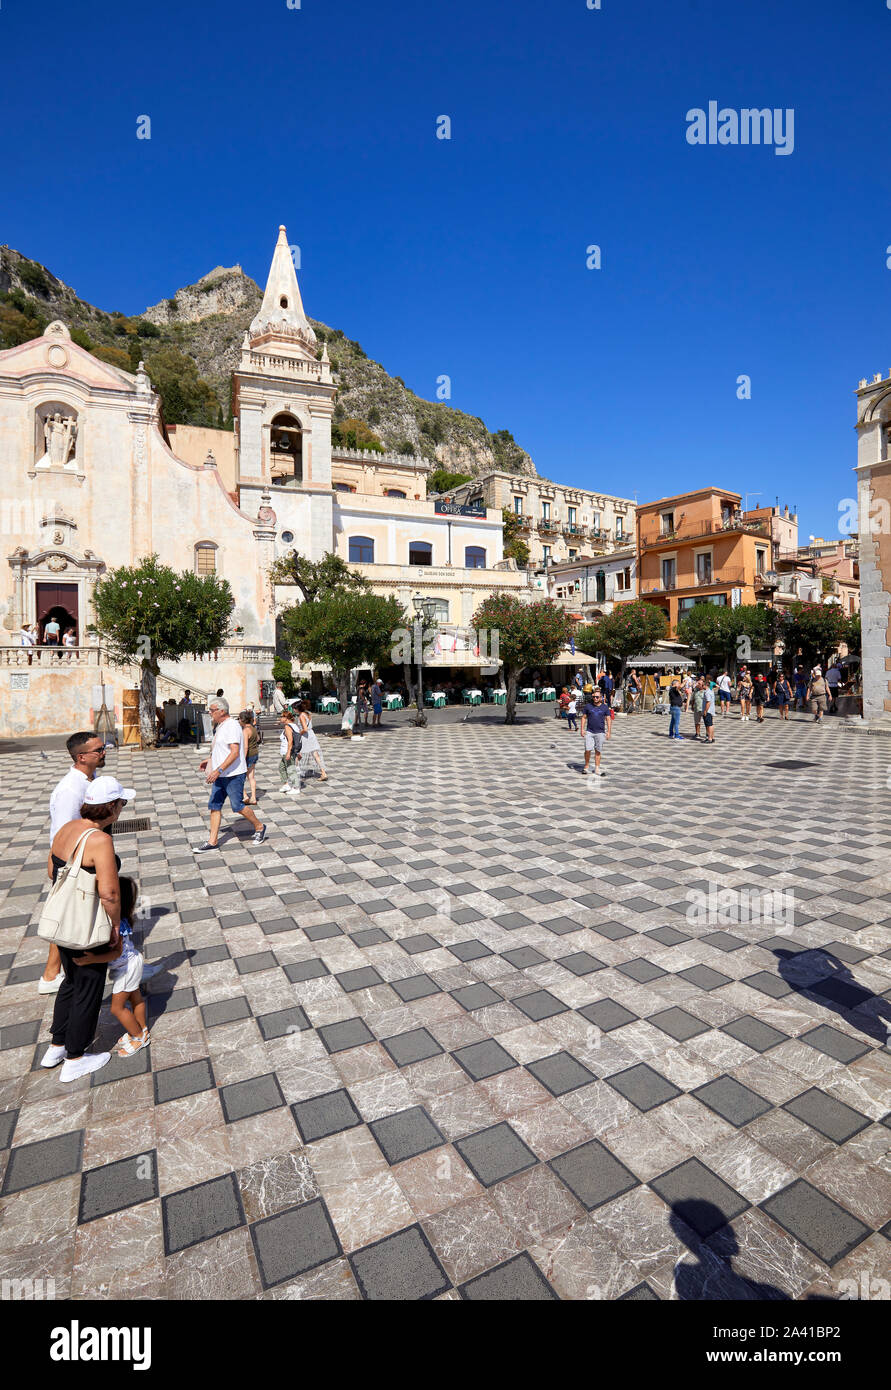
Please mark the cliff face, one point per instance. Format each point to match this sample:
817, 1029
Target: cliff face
207, 322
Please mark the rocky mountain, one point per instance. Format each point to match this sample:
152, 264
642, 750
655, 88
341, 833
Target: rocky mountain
206, 322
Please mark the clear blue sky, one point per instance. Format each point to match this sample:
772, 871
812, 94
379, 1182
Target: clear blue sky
467, 257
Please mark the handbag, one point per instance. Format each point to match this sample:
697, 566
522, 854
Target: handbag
74, 915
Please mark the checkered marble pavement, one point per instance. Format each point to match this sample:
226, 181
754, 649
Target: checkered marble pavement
450, 1033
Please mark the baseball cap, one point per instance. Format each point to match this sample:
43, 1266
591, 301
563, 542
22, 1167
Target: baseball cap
104, 789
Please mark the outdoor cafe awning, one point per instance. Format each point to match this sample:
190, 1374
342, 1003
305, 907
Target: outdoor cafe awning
576, 658
656, 659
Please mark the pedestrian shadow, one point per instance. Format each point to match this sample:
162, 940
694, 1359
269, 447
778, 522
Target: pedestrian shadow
711, 1277
822, 977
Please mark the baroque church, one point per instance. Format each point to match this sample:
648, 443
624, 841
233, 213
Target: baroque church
95, 480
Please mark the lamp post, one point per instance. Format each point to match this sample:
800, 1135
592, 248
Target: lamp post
424, 608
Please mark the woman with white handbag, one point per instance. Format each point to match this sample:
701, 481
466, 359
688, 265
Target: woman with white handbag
82, 915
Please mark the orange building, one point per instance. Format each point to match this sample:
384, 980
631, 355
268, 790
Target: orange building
700, 547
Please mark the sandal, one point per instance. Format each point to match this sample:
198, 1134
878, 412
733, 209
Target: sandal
133, 1045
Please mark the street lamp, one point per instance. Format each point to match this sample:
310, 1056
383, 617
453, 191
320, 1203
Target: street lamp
424, 608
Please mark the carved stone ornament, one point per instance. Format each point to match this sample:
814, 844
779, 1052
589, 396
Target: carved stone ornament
58, 538
57, 563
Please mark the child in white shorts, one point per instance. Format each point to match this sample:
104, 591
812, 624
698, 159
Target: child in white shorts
125, 973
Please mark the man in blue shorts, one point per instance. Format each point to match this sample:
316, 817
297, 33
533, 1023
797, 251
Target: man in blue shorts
596, 728
226, 774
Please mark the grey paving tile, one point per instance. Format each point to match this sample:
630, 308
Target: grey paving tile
643, 971
366, 977
400, 1267
580, 963
698, 1197
43, 1161
197, 1213
306, 970
828, 1116
414, 1046
768, 984
523, 957
560, 1073
704, 977
606, 1014
483, 1059
414, 945
678, 1024
20, 1034
252, 1097
292, 1242
593, 1174
476, 996
323, 1115
7, 1127
406, 1134
225, 1011
754, 1033
322, 931
187, 1080
349, 1032
834, 1044
643, 1086
470, 950
118, 1185
539, 1004
369, 936
517, 1280
562, 926
814, 1219
495, 1153
735, 1103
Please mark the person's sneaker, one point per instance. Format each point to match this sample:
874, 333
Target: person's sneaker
50, 986
205, 848
584, 772
598, 772
82, 1066
54, 1054
260, 835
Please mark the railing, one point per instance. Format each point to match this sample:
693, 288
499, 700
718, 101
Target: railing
63, 658
720, 580
371, 455
705, 528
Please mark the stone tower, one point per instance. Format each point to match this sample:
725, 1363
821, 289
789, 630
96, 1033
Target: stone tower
874, 510
283, 399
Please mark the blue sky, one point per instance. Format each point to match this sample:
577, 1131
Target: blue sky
467, 256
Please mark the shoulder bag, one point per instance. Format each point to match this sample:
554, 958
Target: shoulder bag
73, 915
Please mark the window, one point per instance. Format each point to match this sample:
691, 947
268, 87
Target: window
343, 487
667, 523
474, 557
288, 537
668, 574
440, 610
573, 554
361, 550
595, 520
285, 448
420, 553
546, 555
600, 579
571, 514
619, 528
760, 557
205, 558
623, 580
518, 506
545, 511
704, 569
394, 492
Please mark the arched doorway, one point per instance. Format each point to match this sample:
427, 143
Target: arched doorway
57, 603
285, 449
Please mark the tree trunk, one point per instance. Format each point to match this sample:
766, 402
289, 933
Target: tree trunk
148, 699
510, 704
342, 681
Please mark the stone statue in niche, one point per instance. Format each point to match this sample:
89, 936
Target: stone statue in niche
59, 435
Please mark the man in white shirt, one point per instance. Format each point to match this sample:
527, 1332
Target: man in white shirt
279, 702
226, 774
725, 685
87, 752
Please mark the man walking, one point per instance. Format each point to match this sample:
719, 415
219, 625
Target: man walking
607, 686
818, 695
724, 688
596, 729
279, 703
226, 775
675, 705
708, 710
833, 680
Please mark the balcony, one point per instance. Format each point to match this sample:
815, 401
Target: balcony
550, 527
728, 578
696, 532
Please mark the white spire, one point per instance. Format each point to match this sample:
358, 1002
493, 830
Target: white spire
281, 312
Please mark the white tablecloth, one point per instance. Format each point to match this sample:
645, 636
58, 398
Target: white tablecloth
474, 692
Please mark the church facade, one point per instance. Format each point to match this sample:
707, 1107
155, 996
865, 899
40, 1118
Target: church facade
94, 481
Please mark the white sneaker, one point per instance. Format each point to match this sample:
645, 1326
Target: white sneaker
50, 986
598, 772
82, 1066
54, 1054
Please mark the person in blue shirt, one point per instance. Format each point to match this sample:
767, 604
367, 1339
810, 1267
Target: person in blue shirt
607, 686
596, 729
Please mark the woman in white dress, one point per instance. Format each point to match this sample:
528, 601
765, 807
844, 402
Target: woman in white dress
309, 744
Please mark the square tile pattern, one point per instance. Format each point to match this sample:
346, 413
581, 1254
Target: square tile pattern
347, 1029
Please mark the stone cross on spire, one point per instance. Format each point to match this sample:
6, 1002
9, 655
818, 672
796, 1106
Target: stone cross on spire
281, 313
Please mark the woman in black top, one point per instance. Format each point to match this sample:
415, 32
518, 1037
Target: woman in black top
760, 692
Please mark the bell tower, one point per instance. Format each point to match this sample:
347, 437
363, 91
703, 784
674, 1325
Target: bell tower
283, 400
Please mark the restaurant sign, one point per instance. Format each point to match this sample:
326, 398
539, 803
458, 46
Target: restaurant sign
455, 509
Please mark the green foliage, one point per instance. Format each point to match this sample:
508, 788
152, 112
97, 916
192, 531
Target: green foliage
343, 629
515, 547
355, 434
374, 416
632, 629
441, 480
17, 327
116, 357
529, 634
433, 427
406, 446
281, 671
705, 629
82, 339
317, 578
852, 636
814, 630
146, 329
35, 277
717, 630
187, 399
149, 613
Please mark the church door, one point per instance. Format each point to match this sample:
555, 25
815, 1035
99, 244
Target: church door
60, 602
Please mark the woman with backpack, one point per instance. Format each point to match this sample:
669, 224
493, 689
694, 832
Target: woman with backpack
289, 747
744, 686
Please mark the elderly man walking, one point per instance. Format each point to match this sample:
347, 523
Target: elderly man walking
226, 774
279, 702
